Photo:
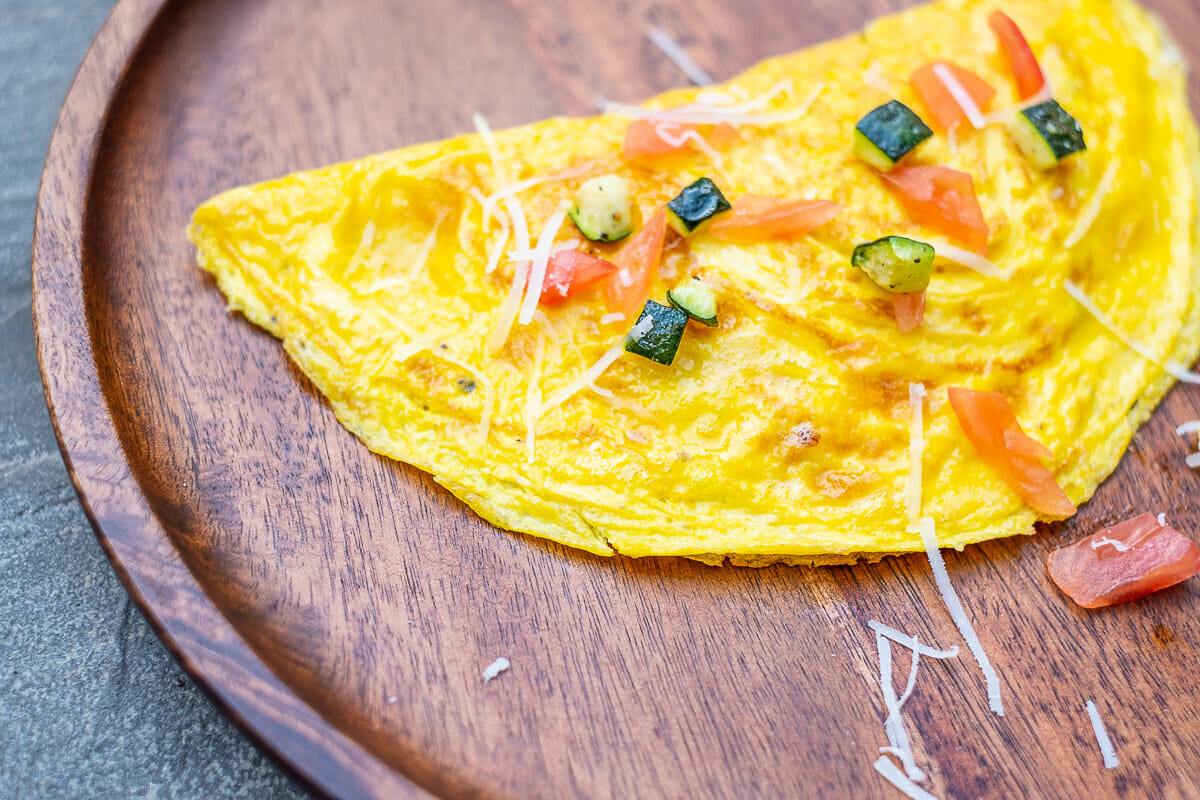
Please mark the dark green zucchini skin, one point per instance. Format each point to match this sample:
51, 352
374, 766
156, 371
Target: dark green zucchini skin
696, 206
1061, 132
661, 342
889, 132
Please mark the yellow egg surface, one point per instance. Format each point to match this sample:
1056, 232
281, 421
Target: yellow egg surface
372, 273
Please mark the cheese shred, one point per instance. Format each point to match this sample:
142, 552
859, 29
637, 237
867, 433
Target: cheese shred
916, 449
1091, 209
1175, 369
597, 369
1107, 751
678, 56
892, 774
961, 621
541, 257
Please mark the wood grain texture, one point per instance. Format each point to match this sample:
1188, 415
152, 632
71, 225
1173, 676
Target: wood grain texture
341, 606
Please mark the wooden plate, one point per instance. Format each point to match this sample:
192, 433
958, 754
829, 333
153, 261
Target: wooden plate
341, 607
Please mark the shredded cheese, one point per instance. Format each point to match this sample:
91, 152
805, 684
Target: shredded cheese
493, 200
615, 316
961, 621
873, 77
667, 132
746, 113
1107, 751
1188, 427
1162, 518
961, 96
1178, 371
541, 257
916, 449
497, 248
894, 724
597, 369
512, 301
493, 669
892, 774
1091, 209
678, 56
533, 397
415, 268
1120, 547
968, 259
520, 229
1193, 460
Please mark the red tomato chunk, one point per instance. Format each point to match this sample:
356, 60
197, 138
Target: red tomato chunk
1124, 562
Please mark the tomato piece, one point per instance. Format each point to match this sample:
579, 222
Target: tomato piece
992, 428
943, 199
645, 137
1024, 64
571, 271
754, 217
944, 110
1124, 562
909, 309
637, 266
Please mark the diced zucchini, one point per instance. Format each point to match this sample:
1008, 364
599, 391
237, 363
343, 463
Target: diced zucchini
601, 210
695, 298
1047, 134
694, 208
888, 134
896, 263
661, 341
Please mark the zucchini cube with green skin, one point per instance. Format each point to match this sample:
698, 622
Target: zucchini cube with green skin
695, 208
661, 341
695, 298
888, 134
895, 263
1047, 134
602, 209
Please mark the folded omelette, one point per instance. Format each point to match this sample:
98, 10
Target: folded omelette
783, 432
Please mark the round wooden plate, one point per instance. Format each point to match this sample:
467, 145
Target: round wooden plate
341, 607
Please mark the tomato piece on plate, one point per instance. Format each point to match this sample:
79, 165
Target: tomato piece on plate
646, 137
637, 265
1024, 64
944, 110
754, 217
942, 199
909, 309
1124, 562
992, 428
571, 271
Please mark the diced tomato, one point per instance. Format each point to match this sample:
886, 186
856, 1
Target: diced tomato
991, 426
1124, 562
643, 137
637, 265
756, 217
943, 199
570, 272
1024, 64
909, 309
944, 110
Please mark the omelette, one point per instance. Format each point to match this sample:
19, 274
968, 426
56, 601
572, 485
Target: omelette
782, 430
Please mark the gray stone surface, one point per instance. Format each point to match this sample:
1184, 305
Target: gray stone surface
91, 703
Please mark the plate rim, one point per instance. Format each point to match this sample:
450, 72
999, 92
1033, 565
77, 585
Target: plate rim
148, 564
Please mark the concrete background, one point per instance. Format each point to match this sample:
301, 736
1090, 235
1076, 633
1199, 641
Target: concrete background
91, 703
